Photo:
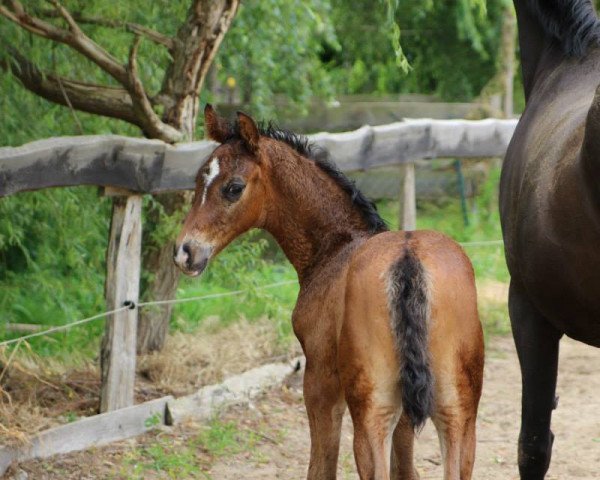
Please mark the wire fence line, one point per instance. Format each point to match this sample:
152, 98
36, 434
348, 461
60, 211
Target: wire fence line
482, 243
131, 305
59, 328
214, 295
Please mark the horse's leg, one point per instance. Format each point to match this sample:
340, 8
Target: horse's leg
459, 376
373, 398
402, 452
374, 424
455, 426
467, 448
325, 406
537, 342
447, 425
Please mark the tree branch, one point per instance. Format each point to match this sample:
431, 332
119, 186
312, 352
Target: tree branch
112, 102
192, 51
74, 37
153, 127
67, 16
70, 105
150, 34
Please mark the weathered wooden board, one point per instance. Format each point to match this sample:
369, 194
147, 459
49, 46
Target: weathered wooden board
234, 390
151, 166
89, 432
129, 422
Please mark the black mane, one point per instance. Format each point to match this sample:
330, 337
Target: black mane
572, 23
320, 156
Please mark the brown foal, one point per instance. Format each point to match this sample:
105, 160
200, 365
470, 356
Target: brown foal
387, 320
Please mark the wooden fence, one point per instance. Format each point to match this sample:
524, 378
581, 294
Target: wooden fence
130, 167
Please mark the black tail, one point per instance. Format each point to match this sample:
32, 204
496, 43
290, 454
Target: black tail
409, 308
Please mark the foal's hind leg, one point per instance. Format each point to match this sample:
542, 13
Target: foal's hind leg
374, 402
459, 376
325, 406
467, 451
374, 424
448, 436
403, 467
456, 432
537, 342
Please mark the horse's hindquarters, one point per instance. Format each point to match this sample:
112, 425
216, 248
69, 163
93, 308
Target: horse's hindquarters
549, 194
371, 357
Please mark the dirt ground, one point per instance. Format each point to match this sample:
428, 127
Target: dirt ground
279, 449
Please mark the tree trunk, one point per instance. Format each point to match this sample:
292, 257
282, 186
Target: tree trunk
195, 47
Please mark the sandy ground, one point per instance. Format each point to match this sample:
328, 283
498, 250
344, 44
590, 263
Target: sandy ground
281, 448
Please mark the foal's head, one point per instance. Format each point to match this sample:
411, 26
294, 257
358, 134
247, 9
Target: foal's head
229, 197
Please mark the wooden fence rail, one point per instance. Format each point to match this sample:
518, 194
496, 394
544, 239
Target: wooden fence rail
137, 166
151, 166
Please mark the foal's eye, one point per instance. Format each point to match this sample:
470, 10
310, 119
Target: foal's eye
233, 191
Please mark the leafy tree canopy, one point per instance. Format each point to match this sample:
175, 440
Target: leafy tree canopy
296, 49
451, 46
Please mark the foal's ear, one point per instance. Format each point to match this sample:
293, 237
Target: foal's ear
248, 131
215, 127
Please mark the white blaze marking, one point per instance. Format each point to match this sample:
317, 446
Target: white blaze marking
213, 171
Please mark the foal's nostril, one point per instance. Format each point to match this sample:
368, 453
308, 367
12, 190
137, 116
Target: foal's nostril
187, 254
182, 255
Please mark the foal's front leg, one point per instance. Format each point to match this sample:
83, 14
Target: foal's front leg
325, 406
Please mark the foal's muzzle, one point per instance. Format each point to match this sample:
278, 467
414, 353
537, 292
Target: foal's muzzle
192, 257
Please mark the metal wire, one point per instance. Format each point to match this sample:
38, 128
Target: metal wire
130, 305
63, 327
483, 243
213, 295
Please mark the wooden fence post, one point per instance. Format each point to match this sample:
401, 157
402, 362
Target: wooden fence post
408, 196
122, 285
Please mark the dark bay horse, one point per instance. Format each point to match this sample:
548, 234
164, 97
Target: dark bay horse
388, 321
550, 206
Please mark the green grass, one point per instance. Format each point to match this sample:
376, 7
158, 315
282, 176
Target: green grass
256, 302
189, 457
171, 459
52, 261
226, 438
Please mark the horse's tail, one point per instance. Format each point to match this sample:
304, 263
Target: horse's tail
409, 309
